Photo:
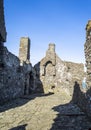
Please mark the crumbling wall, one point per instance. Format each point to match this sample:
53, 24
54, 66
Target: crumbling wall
84, 101
12, 80
76, 69
56, 75
2, 23
84, 94
15, 74
14, 77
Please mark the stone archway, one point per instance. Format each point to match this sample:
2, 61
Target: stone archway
48, 69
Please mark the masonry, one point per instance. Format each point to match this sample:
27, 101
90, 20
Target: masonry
57, 75
13, 71
50, 75
84, 96
14, 82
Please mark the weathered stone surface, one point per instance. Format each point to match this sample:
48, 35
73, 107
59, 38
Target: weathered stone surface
84, 95
15, 75
88, 26
50, 75
57, 75
2, 23
24, 50
42, 112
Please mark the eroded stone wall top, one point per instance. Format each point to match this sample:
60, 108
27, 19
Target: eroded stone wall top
24, 50
88, 26
52, 47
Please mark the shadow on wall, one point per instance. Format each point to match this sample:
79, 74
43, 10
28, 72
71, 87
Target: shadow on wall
21, 127
38, 83
35, 89
71, 116
82, 97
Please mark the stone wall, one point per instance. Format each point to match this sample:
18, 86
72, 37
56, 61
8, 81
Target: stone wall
82, 98
55, 75
12, 79
51, 74
2, 23
87, 49
84, 94
76, 69
24, 50
13, 82
15, 73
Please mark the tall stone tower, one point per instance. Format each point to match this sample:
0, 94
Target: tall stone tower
24, 50
87, 49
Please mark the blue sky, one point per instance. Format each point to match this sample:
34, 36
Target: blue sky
61, 22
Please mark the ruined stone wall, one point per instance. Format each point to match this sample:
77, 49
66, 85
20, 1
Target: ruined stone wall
84, 101
51, 74
15, 75
87, 50
55, 75
82, 98
13, 83
14, 72
76, 70
2, 23
84, 94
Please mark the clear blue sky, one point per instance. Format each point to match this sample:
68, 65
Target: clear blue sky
57, 21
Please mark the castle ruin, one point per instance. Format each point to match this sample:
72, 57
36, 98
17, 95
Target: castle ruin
51, 74
56, 74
